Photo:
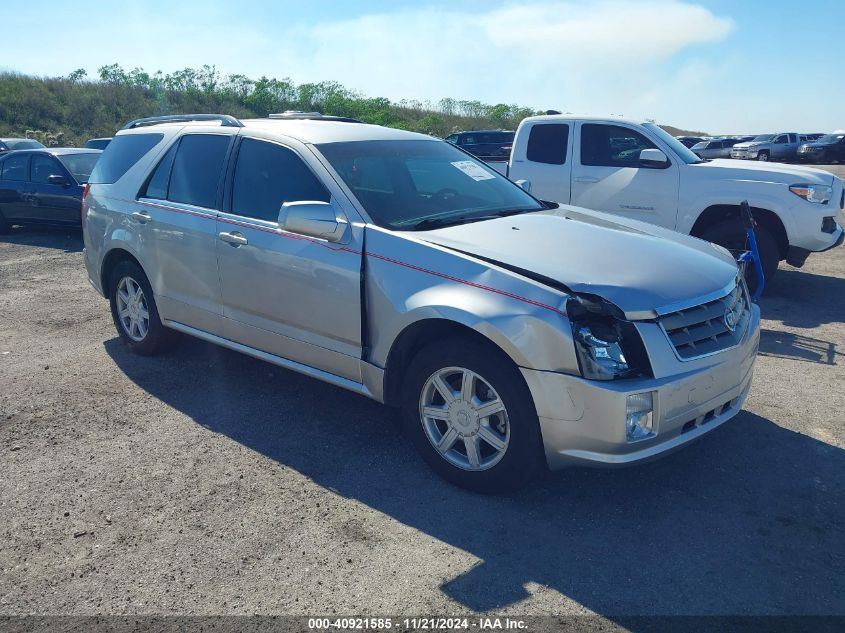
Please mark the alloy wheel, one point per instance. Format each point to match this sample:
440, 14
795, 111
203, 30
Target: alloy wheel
464, 419
132, 309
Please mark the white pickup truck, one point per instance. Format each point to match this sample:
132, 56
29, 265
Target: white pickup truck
638, 170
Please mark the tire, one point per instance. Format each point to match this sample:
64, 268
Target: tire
493, 378
763, 156
147, 336
731, 235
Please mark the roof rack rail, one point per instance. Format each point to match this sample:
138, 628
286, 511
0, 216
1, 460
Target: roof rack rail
225, 120
312, 116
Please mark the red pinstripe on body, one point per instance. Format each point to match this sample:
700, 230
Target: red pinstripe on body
345, 249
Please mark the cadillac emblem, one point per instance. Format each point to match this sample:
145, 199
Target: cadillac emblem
731, 317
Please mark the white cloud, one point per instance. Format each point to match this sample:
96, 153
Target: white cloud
603, 54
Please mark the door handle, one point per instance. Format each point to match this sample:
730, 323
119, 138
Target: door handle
587, 179
234, 238
141, 216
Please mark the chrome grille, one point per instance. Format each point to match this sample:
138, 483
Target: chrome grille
704, 329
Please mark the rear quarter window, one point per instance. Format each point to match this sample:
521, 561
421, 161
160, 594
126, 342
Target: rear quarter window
121, 154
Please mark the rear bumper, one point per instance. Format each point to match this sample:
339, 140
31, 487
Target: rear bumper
582, 422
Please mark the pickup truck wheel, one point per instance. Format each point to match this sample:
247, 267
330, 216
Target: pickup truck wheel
731, 235
469, 413
134, 311
763, 156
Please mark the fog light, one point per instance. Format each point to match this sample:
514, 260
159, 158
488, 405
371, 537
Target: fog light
639, 416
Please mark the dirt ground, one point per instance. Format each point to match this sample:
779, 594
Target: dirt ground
207, 482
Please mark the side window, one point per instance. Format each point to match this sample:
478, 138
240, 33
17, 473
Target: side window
452, 138
159, 181
468, 140
196, 171
16, 168
267, 175
611, 145
781, 139
548, 143
43, 167
120, 156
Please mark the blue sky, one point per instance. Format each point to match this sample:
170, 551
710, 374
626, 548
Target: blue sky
714, 65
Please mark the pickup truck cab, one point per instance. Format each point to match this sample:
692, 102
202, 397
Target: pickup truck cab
637, 170
766, 147
512, 333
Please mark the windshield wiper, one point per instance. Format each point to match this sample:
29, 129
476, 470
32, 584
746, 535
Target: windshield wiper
436, 223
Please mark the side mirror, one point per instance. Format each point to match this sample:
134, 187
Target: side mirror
57, 180
314, 219
524, 184
653, 159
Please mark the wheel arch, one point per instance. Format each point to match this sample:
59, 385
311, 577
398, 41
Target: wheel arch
114, 257
765, 218
415, 337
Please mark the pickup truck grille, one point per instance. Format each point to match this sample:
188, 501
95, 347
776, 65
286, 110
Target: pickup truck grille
706, 329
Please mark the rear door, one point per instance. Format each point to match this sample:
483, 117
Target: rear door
291, 295
54, 203
607, 175
177, 216
542, 154
14, 187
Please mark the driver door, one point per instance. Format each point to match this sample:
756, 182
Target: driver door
607, 175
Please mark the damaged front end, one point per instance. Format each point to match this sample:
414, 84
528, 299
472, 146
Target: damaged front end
607, 345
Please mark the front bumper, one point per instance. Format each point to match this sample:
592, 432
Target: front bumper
582, 422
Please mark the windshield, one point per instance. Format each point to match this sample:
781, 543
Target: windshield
760, 138
80, 165
682, 151
829, 138
403, 184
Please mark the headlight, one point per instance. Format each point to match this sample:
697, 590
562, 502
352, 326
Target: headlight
607, 347
813, 193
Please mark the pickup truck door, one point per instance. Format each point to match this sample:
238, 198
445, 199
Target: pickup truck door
783, 146
287, 294
542, 155
607, 175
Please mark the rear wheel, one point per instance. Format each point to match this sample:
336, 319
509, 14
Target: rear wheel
134, 311
468, 411
731, 234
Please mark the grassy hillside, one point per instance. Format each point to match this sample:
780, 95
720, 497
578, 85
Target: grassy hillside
68, 110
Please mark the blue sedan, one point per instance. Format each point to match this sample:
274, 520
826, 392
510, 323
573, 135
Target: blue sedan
44, 186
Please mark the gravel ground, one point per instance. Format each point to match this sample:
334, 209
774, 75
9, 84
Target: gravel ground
207, 482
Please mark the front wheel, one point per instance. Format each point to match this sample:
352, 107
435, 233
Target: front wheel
470, 414
731, 234
763, 156
134, 311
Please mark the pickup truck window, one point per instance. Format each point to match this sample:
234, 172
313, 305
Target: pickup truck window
403, 183
782, 139
548, 143
268, 175
611, 145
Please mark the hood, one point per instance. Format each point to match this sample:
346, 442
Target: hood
638, 267
816, 144
748, 144
766, 172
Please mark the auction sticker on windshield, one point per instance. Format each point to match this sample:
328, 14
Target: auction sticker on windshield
472, 170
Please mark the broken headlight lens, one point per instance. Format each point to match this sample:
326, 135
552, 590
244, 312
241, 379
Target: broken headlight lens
608, 349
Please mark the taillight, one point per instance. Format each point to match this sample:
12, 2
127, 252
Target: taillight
85, 189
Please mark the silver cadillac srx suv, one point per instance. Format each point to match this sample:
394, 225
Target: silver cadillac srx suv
512, 333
